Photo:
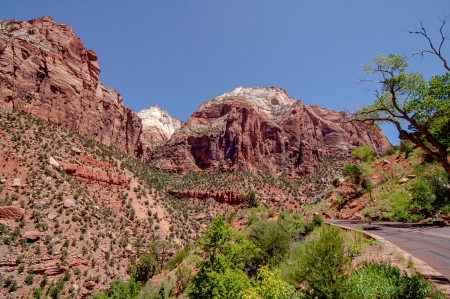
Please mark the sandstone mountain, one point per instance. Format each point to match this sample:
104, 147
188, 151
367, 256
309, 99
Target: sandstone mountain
46, 72
157, 125
262, 128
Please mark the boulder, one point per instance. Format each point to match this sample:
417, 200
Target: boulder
200, 216
31, 235
16, 183
89, 285
68, 203
76, 150
403, 180
52, 216
54, 163
129, 248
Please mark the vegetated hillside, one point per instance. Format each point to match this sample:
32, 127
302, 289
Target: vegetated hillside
406, 184
74, 209
258, 253
79, 212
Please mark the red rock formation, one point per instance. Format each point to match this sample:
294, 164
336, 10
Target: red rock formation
11, 212
94, 175
50, 268
235, 133
229, 197
46, 72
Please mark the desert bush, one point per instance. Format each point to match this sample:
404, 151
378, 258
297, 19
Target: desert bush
273, 242
335, 181
249, 199
432, 191
390, 151
177, 258
324, 266
406, 147
365, 153
269, 285
353, 172
381, 280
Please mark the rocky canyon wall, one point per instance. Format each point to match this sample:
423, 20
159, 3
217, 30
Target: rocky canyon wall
46, 72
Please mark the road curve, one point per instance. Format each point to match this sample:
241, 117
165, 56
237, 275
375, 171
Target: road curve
429, 243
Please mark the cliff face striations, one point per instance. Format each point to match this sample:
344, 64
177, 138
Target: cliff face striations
262, 128
45, 71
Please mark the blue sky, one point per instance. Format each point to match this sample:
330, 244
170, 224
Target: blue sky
179, 54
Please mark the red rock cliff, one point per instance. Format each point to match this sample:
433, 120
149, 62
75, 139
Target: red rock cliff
262, 128
46, 72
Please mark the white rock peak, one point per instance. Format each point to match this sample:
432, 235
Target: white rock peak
268, 98
155, 117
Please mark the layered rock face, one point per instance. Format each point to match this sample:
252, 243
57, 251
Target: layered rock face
46, 72
157, 125
262, 128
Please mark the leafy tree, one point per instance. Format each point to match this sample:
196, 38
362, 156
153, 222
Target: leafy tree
353, 172
419, 110
145, 268
272, 240
365, 153
226, 252
325, 265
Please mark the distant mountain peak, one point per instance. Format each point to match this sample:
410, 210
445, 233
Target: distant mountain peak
157, 124
268, 98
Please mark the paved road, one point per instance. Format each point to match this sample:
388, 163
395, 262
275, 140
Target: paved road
428, 243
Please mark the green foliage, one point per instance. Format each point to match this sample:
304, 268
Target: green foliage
324, 266
221, 274
273, 242
381, 280
390, 151
249, 199
119, 290
365, 153
353, 172
406, 147
406, 99
145, 268
432, 191
269, 285
177, 259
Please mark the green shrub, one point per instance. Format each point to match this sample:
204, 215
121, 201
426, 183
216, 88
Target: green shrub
406, 147
432, 191
365, 153
317, 220
381, 280
390, 151
145, 268
249, 199
29, 279
353, 172
324, 266
177, 259
273, 242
